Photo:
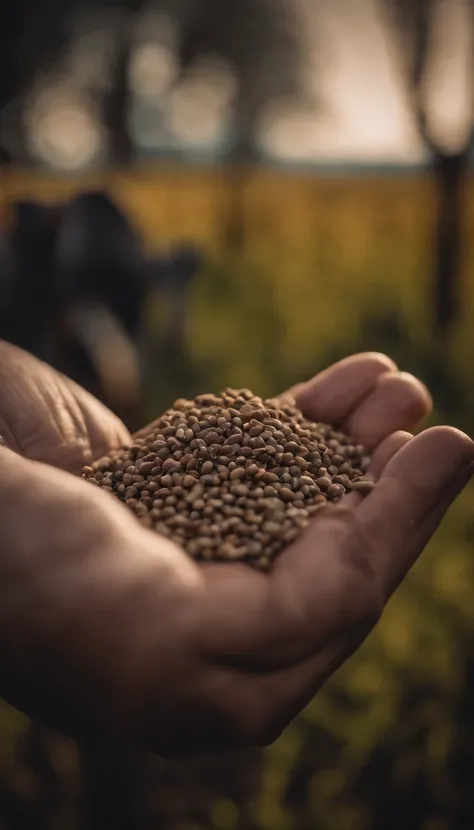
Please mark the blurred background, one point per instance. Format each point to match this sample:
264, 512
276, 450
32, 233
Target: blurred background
196, 194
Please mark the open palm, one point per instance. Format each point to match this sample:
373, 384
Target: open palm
108, 629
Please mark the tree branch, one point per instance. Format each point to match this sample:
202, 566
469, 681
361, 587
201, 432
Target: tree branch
421, 116
414, 20
470, 140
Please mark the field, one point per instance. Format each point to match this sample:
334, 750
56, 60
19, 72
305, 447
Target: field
294, 262
300, 271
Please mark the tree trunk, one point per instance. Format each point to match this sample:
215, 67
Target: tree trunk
234, 231
117, 109
450, 171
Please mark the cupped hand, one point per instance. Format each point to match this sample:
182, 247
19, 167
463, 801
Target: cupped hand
111, 632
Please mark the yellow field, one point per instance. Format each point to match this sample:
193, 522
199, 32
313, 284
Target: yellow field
314, 250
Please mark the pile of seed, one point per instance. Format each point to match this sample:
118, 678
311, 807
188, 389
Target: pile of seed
232, 476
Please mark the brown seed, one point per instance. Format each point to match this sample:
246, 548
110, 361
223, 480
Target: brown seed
239, 490
245, 452
238, 473
212, 480
301, 463
232, 470
195, 493
234, 439
273, 528
286, 494
269, 478
170, 465
252, 470
335, 491
158, 445
229, 551
363, 486
247, 413
269, 492
145, 468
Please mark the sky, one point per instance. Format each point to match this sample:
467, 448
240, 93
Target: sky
368, 119
354, 70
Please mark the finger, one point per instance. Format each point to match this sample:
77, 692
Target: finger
352, 559
334, 393
97, 430
48, 418
291, 690
411, 498
380, 458
343, 568
398, 401
236, 584
386, 450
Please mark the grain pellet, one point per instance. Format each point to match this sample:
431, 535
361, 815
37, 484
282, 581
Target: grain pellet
233, 477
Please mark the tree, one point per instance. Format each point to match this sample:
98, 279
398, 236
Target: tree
262, 41
414, 22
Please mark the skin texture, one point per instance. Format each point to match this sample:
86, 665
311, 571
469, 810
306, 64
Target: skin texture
110, 632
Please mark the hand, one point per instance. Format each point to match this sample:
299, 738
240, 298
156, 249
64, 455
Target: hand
110, 632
